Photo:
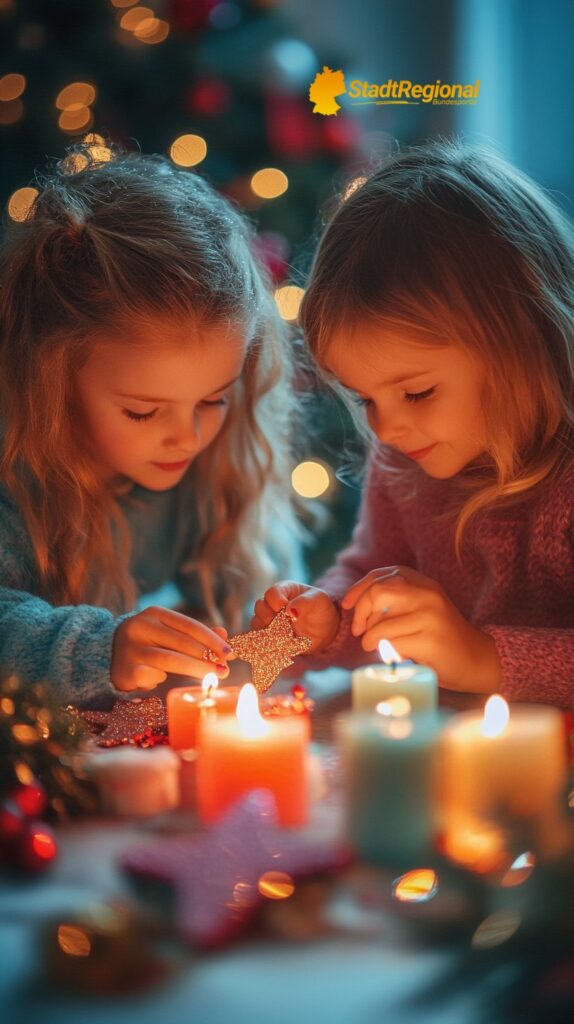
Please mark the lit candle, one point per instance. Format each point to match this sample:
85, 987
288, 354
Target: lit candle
372, 684
499, 768
188, 705
388, 766
246, 751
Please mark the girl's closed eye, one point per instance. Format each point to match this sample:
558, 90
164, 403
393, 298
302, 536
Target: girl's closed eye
419, 396
139, 417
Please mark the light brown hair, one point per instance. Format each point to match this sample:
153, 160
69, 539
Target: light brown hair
112, 244
448, 241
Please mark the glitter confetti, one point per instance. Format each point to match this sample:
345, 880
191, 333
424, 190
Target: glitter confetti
268, 650
139, 722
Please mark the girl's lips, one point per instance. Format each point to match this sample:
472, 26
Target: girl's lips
420, 453
172, 466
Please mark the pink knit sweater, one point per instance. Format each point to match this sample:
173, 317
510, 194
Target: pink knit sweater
516, 583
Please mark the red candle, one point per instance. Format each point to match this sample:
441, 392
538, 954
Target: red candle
188, 706
246, 751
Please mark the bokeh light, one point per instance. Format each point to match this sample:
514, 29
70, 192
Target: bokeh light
269, 183
416, 886
496, 929
11, 86
151, 30
74, 941
310, 479
75, 118
131, 19
76, 94
288, 299
276, 885
188, 150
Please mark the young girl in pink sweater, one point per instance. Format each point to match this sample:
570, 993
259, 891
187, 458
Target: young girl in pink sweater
441, 309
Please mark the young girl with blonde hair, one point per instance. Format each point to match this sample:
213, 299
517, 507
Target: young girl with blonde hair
145, 405
441, 307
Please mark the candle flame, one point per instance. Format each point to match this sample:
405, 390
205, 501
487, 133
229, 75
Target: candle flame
496, 715
251, 722
394, 707
388, 653
209, 682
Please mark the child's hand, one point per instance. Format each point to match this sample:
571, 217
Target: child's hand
397, 603
313, 612
159, 640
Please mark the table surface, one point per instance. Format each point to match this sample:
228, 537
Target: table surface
351, 978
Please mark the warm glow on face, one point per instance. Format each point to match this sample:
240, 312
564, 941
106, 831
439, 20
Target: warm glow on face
251, 723
496, 716
269, 183
388, 654
209, 682
310, 479
416, 886
394, 707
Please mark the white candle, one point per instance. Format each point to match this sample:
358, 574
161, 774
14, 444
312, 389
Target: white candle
135, 782
372, 684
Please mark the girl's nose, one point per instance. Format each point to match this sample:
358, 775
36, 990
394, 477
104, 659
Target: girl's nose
388, 428
186, 434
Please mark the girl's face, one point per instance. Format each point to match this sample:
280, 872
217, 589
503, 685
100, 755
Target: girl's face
423, 400
155, 399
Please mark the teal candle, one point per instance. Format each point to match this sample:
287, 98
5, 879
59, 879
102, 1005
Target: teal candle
373, 684
388, 770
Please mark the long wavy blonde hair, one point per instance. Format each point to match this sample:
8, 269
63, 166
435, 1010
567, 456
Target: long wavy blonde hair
448, 241
117, 241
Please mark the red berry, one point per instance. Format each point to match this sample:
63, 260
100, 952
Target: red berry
30, 798
38, 847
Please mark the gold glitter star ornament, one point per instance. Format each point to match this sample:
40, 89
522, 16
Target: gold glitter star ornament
269, 650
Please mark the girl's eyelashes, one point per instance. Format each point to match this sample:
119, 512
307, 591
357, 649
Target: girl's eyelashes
140, 417
410, 396
419, 396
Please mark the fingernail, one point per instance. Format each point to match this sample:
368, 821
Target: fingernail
293, 613
226, 649
220, 666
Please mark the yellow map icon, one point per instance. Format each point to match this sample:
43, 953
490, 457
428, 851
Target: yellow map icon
326, 85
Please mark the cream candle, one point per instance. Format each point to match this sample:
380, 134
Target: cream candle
498, 768
134, 782
188, 705
388, 766
372, 684
246, 751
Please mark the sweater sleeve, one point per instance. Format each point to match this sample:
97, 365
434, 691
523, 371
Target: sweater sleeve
537, 663
67, 647
377, 540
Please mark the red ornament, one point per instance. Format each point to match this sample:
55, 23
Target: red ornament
30, 798
38, 847
292, 128
12, 823
190, 15
272, 249
340, 134
208, 97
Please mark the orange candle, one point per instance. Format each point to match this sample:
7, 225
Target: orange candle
246, 751
188, 706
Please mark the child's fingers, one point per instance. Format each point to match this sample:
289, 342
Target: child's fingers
146, 678
193, 630
170, 661
358, 589
263, 615
397, 631
384, 598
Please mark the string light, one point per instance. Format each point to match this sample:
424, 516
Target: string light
269, 183
11, 86
75, 118
151, 30
288, 299
310, 479
76, 94
188, 150
21, 203
131, 19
